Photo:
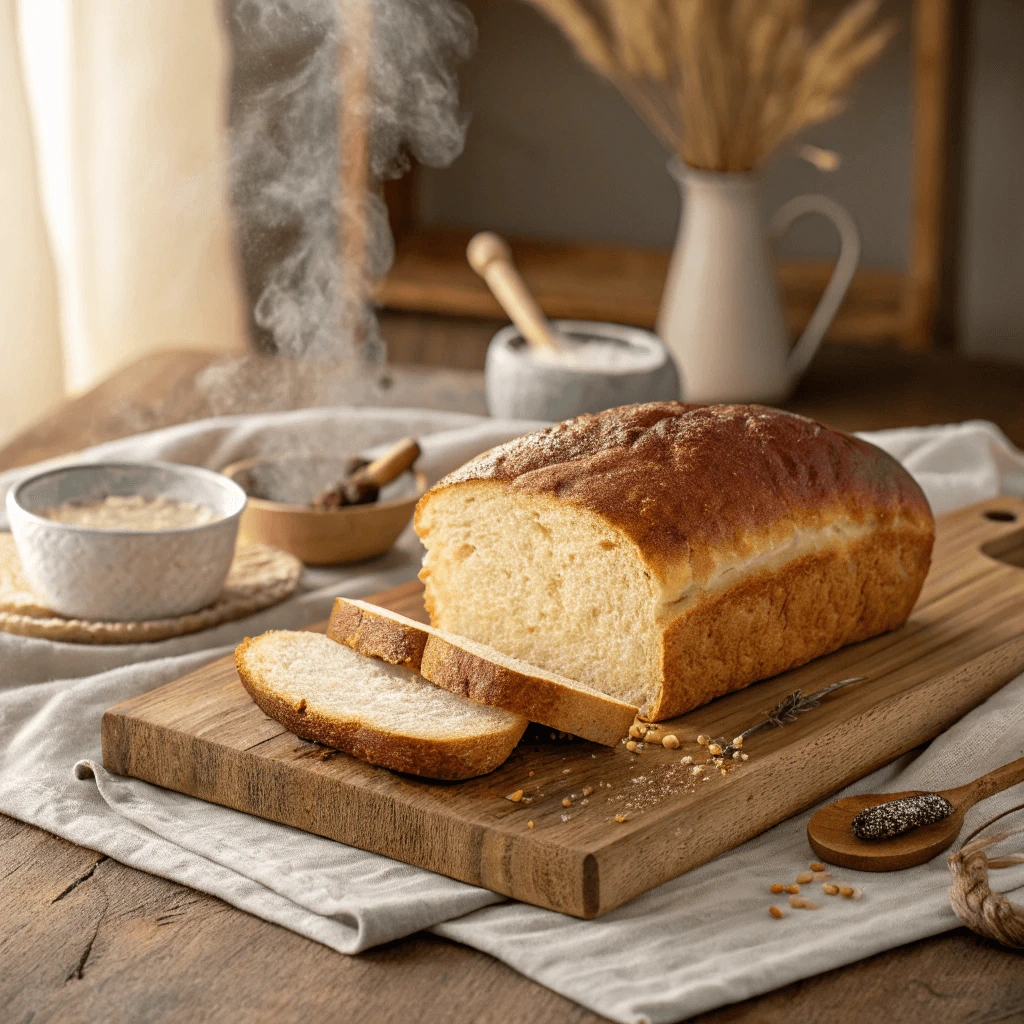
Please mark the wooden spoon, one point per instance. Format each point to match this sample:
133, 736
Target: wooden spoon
490, 256
831, 835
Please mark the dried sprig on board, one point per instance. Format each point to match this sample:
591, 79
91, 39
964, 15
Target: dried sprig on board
723, 83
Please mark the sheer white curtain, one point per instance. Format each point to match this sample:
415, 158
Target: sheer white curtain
115, 230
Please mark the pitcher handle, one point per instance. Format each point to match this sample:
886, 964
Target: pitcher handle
842, 274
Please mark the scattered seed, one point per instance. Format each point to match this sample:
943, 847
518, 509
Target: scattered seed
791, 888
809, 905
671, 741
815, 866
566, 802
829, 889
531, 775
529, 824
804, 877
737, 742
855, 895
714, 748
703, 740
631, 746
776, 888
820, 876
846, 890
516, 796
775, 912
796, 902
620, 818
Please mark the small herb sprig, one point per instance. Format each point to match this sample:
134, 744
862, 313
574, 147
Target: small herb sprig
787, 710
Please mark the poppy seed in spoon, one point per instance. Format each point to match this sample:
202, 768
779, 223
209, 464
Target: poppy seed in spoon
885, 821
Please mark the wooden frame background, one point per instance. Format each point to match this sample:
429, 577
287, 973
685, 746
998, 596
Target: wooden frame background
624, 283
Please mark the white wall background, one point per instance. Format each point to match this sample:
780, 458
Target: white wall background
554, 152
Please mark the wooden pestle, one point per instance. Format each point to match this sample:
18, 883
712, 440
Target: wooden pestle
369, 479
490, 256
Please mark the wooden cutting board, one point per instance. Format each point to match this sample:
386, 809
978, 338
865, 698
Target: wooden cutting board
202, 735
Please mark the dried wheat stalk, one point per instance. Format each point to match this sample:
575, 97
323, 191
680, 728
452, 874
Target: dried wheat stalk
723, 83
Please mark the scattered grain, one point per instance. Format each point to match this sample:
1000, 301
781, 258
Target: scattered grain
846, 890
775, 912
703, 740
816, 866
531, 775
796, 902
587, 790
776, 888
723, 771
529, 824
515, 797
620, 818
804, 877
631, 746
714, 748
566, 801
829, 889
637, 731
744, 757
696, 770
671, 741
820, 876
791, 888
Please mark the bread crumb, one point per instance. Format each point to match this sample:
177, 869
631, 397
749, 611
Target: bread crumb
620, 818
587, 790
529, 824
631, 746
687, 760
703, 740
714, 748
737, 742
566, 802
671, 741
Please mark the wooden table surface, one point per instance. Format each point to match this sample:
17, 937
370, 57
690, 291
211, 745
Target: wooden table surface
84, 938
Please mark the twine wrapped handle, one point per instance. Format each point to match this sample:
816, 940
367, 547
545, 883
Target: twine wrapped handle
988, 913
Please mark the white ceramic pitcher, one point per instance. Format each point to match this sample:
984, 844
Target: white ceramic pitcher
721, 313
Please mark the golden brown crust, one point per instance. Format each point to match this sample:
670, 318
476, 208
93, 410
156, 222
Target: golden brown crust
375, 635
581, 712
810, 607
689, 482
448, 759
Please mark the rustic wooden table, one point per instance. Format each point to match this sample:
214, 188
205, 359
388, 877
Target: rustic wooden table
83, 938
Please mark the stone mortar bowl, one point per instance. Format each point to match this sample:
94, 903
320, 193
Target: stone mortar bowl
520, 387
125, 575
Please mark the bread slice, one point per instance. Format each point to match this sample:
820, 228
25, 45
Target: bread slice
481, 673
382, 713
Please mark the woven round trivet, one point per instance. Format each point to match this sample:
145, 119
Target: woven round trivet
260, 576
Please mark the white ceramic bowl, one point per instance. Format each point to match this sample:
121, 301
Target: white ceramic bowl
125, 575
521, 387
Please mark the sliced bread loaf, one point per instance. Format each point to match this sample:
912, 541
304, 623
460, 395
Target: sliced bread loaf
480, 672
382, 713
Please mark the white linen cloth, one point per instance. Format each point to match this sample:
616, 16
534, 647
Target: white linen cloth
695, 943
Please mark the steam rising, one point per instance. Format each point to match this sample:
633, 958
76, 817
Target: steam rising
286, 175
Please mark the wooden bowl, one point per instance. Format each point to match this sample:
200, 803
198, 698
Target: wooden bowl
329, 536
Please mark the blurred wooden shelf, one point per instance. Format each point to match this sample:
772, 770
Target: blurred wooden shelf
622, 284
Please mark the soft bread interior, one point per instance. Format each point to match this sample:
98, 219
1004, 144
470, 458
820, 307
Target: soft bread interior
543, 581
339, 684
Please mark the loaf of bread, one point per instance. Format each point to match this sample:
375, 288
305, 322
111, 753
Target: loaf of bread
481, 673
384, 714
669, 553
